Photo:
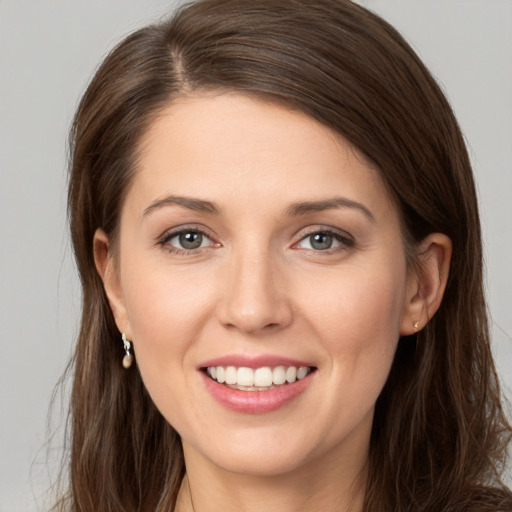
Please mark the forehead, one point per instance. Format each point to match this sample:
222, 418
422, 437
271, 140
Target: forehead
240, 148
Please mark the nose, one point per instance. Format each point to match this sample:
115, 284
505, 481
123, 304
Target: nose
254, 299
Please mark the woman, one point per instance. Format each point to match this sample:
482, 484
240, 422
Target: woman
275, 224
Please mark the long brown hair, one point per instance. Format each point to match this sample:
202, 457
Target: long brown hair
440, 435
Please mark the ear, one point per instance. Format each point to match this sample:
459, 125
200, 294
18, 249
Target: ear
108, 272
426, 282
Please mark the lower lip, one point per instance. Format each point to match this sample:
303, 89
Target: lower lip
255, 402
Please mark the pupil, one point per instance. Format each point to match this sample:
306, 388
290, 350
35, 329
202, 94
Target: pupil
191, 240
321, 241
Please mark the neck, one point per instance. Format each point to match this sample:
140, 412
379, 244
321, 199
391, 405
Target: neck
323, 486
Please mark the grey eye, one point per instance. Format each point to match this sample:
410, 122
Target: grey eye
321, 241
186, 241
190, 240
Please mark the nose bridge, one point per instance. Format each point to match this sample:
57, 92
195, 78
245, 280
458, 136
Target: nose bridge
255, 298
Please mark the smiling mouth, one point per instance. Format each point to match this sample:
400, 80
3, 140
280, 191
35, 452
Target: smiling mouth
257, 379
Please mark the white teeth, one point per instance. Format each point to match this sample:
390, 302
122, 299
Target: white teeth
291, 374
252, 379
230, 375
263, 377
245, 377
220, 374
279, 375
302, 372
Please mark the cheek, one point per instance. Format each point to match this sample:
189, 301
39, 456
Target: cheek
358, 316
359, 300
359, 328
154, 288
165, 310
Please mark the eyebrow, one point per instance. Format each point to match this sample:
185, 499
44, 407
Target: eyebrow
197, 205
305, 207
294, 210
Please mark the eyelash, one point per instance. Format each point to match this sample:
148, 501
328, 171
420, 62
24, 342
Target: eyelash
165, 241
346, 241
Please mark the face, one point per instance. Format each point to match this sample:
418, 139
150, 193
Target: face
260, 247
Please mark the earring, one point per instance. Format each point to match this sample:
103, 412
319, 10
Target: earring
416, 326
128, 358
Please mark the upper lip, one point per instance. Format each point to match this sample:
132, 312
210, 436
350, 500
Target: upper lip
246, 361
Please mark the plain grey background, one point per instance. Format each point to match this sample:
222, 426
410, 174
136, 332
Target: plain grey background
48, 50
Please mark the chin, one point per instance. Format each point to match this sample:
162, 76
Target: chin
260, 463
266, 452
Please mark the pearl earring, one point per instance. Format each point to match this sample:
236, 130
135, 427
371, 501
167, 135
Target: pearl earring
128, 358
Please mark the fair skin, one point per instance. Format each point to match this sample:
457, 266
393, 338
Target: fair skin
290, 250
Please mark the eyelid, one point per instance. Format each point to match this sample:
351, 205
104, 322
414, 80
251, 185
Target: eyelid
346, 239
169, 234
180, 228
